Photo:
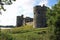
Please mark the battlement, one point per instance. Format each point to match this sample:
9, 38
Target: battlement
40, 8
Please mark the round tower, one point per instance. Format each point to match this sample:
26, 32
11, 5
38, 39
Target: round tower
40, 16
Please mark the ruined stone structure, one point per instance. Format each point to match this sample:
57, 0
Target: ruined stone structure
27, 20
19, 21
40, 16
22, 21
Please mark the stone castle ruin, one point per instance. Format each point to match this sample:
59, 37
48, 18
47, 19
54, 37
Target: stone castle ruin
23, 21
28, 20
19, 21
40, 16
39, 19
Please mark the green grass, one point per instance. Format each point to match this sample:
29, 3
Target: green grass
27, 33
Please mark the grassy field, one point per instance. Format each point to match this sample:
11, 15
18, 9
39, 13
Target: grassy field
27, 33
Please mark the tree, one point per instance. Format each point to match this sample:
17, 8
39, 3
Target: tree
5, 2
54, 19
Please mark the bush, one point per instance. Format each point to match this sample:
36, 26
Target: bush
5, 36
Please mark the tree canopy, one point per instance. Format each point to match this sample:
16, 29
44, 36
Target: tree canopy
53, 16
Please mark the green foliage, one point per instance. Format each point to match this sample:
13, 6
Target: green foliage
25, 33
53, 16
5, 36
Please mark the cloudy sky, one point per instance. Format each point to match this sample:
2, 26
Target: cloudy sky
20, 7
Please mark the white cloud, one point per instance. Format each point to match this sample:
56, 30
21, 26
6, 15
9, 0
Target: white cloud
8, 17
43, 2
25, 7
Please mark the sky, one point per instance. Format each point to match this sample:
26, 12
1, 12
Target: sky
20, 7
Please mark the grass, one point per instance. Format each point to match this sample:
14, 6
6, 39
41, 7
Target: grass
27, 33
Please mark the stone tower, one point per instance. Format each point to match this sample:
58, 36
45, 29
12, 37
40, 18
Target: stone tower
19, 21
40, 16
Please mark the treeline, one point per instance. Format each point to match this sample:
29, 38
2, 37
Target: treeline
53, 16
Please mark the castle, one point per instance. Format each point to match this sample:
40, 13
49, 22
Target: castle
39, 19
23, 21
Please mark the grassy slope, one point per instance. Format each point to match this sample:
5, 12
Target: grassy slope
28, 33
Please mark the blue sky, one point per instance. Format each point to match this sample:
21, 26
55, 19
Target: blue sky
20, 7
52, 2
